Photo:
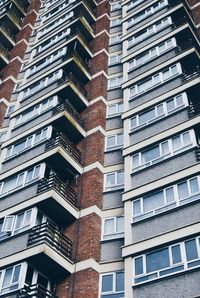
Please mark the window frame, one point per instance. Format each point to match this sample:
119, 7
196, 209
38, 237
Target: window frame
115, 186
114, 283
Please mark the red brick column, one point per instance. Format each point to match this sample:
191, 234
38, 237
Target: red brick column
86, 232
18, 52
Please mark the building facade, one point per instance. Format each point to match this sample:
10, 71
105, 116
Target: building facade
99, 177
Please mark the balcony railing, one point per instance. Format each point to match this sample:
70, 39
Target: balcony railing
8, 32
14, 17
184, 46
36, 291
66, 106
53, 182
71, 77
194, 109
49, 234
62, 141
198, 153
4, 51
191, 74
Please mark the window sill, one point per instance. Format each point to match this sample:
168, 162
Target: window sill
114, 189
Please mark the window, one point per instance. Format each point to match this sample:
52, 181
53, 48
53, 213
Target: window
29, 142
133, 3
159, 111
113, 227
149, 31
155, 80
147, 12
167, 198
115, 6
115, 39
36, 87
115, 22
114, 59
163, 150
114, 180
36, 110
10, 279
49, 42
55, 24
115, 110
167, 261
57, 9
115, 82
114, 141
10, 109
112, 283
21, 180
152, 53
14, 224
48, 60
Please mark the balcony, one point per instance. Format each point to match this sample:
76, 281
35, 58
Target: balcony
44, 246
4, 56
7, 37
35, 291
53, 182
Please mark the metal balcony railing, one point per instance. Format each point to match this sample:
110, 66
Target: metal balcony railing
36, 291
198, 153
49, 234
66, 106
71, 77
8, 31
62, 141
184, 46
4, 51
21, 5
194, 109
191, 74
53, 182
14, 17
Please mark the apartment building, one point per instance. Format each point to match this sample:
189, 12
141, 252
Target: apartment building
99, 164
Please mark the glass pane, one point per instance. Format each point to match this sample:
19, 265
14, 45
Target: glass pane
20, 180
138, 265
8, 223
174, 70
156, 79
107, 283
37, 137
194, 185
153, 201
143, 118
19, 147
136, 207
133, 122
160, 110
135, 160
176, 254
179, 100
27, 217
44, 133
183, 190
29, 142
29, 176
191, 250
170, 105
166, 74
7, 277
111, 141
120, 224
157, 260
176, 143
109, 226
120, 177
119, 281
9, 185
111, 110
169, 195
19, 221
110, 179
16, 274
150, 154
186, 138
165, 148
120, 139
37, 172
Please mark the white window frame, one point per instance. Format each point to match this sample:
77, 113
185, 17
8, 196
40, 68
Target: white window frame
116, 145
115, 234
115, 39
117, 59
118, 80
114, 275
149, 31
133, 3
117, 110
172, 204
115, 22
115, 6
23, 182
116, 185
148, 53
37, 110
154, 82
184, 261
32, 143
163, 155
164, 114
